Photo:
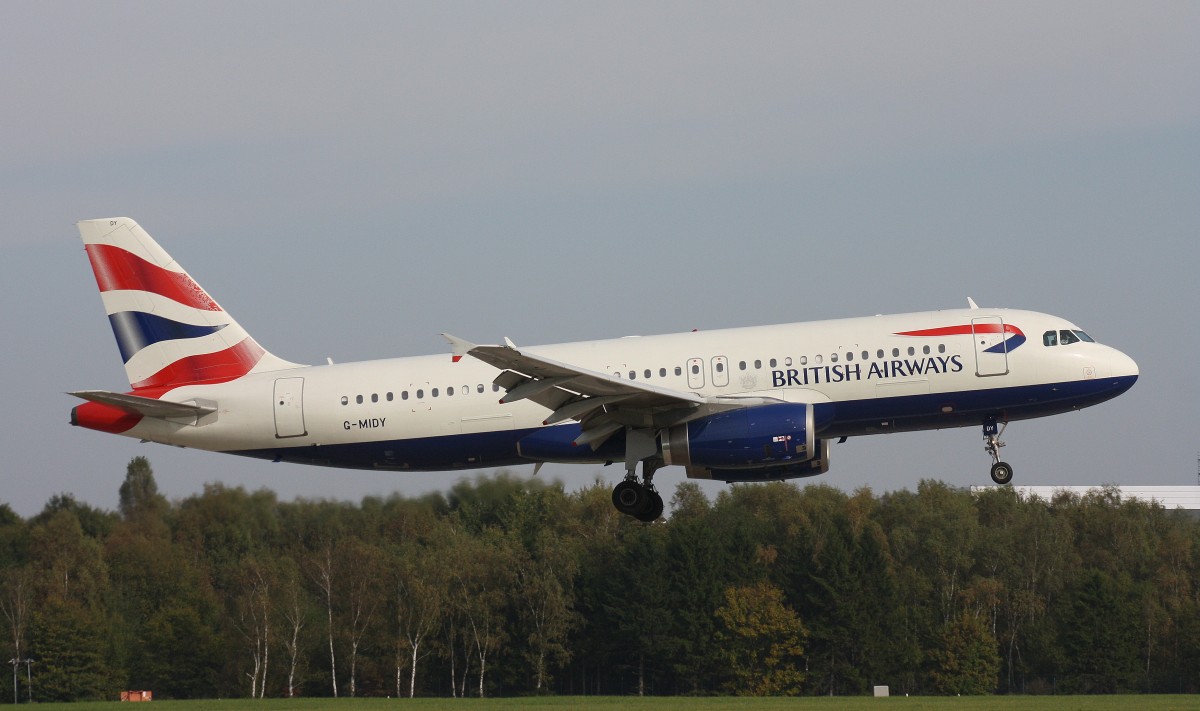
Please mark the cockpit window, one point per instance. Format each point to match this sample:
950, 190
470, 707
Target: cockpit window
1065, 337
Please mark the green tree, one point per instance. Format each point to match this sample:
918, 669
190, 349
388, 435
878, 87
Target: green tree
967, 660
419, 598
181, 654
16, 609
70, 649
762, 641
544, 577
1098, 631
138, 495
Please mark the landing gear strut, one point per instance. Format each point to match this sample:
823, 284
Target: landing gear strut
638, 499
1002, 472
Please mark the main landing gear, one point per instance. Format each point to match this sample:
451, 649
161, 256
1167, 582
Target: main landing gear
638, 499
1002, 472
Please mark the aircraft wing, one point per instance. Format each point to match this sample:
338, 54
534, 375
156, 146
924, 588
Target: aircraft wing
603, 403
147, 406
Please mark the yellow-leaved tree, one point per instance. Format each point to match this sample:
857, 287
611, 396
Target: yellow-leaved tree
762, 640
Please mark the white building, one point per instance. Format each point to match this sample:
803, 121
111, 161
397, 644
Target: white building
1171, 497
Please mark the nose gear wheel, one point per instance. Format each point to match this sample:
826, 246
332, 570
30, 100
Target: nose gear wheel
1002, 472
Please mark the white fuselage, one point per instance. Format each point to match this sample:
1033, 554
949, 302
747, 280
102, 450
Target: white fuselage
432, 413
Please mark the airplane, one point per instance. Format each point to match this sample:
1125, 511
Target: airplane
753, 404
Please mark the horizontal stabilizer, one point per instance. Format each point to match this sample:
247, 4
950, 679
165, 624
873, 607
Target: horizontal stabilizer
149, 407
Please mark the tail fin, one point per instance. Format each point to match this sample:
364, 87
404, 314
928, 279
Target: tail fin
169, 330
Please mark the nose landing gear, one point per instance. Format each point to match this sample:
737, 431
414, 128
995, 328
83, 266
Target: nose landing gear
1002, 472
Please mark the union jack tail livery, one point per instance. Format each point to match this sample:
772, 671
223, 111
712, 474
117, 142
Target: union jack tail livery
169, 330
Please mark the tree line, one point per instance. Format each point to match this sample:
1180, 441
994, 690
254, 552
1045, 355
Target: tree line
509, 586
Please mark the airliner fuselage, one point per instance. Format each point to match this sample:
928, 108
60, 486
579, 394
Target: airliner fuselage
740, 404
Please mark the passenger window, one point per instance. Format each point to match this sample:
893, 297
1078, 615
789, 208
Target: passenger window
633, 375
695, 370
912, 351
833, 357
389, 397
742, 365
435, 392
879, 353
774, 362
941, 348
866, 355
358, 399
803, 360
678, 370
374, 397
895, 352
450, 391
345, 400
403, 394
646, 374
849, 356
925, 350
720, 367
758, 365
479, 388
1050, 338
817, 359
662, 372
495, 388
420, 394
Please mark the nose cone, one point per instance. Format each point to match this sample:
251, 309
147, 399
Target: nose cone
1122, 366
1123, 370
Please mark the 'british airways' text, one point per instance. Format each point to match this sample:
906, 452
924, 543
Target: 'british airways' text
877, 370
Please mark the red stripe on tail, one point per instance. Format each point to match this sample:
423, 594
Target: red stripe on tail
220, 367
117, 269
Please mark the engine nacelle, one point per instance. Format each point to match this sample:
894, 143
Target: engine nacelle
819, 464
767, 436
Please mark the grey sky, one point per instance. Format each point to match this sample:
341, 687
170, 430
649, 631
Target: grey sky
350, 180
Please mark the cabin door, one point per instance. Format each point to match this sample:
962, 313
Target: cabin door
289, 407
991, 351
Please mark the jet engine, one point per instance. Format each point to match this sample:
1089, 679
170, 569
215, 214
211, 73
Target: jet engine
763, 443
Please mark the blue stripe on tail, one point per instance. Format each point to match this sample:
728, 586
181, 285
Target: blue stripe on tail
136, 329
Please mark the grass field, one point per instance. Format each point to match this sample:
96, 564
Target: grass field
633, 703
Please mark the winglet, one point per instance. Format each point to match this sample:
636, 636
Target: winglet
971, 303
458, 347
509, 343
